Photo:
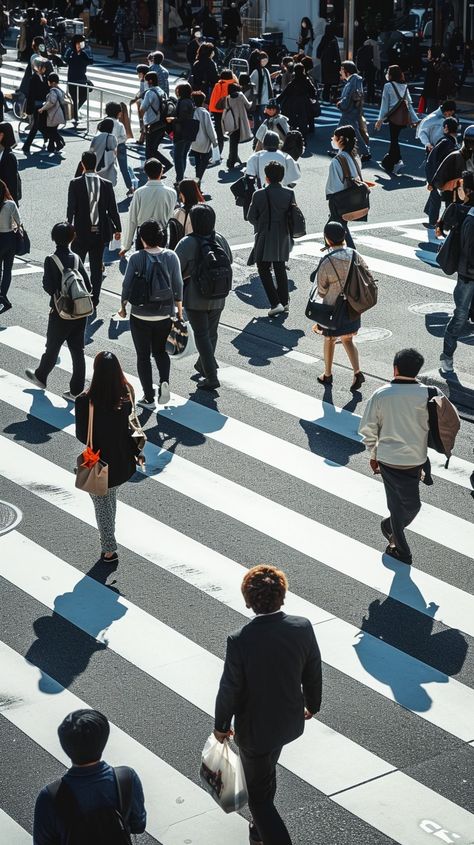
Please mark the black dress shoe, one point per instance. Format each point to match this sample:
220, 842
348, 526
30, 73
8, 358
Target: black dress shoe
324, 379
358, 381
385, 526
392, 551
208, 384
113, 559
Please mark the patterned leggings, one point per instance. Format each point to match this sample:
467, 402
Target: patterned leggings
105, 508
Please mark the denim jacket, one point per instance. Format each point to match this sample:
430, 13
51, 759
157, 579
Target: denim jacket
352, 96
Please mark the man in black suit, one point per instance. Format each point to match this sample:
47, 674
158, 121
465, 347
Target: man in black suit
92, 209
271, 683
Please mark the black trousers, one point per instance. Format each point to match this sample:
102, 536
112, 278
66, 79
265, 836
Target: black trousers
123, 40
152, 142
95, 248
204, 325
402, 489
218, 127
201, 161
233, 156
55, 140
260, 775
394, 154
265, 272
149, 338
79, 96
38, 124
61, 331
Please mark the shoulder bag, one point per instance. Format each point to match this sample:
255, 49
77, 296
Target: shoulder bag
450, 251
327, 316
296, 221
22, 241
399, 114
352, 203
229, 122
92, 474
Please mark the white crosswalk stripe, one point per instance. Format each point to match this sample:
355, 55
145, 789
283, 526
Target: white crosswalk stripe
343, 768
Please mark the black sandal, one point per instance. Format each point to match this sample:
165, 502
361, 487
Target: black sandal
359, 379
113, 559
324, 379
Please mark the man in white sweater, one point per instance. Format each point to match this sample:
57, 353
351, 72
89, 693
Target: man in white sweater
258, 161
430, 130
154, 201
395, 429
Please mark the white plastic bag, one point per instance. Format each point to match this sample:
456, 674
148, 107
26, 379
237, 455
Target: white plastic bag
115, 245
222, 775
216, 155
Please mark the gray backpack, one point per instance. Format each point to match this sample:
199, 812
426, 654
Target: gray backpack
73, 301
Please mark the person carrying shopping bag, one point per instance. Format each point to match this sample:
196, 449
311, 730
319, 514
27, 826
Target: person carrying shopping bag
109, 401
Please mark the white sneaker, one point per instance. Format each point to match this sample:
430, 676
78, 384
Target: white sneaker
33, 377
278, 309
164, 394
446, 364
397, 167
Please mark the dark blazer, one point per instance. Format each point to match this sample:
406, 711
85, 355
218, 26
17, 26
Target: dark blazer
78, 210
110, 434
9, 173
272, 671
269, 214
37, 93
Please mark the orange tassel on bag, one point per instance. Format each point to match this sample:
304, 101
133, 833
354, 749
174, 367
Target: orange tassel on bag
89, 457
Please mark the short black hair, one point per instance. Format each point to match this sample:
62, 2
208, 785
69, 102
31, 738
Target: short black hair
198, 98
274, 171
448, 105
203, 219
113, 109
54, 78
141, 69
183, 90
152, 234
468, 180
83, 735
157, 57
153, 168
408, 362
152, 77
89, 160
62, 233
452, 125
349, 67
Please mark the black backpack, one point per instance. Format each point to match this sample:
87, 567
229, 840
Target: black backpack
213, 269
176, 232
293, 144
105, 825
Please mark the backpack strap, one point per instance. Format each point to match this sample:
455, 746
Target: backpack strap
124, 781
58, 263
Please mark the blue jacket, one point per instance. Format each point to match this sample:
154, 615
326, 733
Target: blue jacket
352, 96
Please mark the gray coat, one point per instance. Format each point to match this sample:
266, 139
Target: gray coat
238, 106
269, 214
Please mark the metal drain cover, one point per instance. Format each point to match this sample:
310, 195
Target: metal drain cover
10, 517
371, 333
432, 308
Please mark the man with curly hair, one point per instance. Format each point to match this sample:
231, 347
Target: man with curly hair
270, 684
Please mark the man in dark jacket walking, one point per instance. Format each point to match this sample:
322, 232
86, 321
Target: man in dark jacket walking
271, 684
463, 294
92, 209
446, 145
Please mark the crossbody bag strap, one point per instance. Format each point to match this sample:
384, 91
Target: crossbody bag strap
346, 171
123, 780
90, 425
342, 286
400, 98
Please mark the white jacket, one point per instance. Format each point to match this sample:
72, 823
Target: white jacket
394, 425
430, 129
257, 162
206, 137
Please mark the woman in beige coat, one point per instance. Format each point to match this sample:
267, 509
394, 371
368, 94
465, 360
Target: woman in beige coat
236, 123
54, 114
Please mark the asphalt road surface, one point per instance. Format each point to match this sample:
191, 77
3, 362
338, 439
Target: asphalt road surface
269, 469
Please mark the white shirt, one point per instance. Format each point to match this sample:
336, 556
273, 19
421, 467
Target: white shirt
119, 131
258, 161
394, 425
153, 201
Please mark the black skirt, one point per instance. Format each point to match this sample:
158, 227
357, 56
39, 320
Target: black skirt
350, 327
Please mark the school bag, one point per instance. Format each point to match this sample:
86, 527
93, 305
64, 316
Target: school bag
66, 103
293, 144
73, 301
151, 287
360, 289
213, 269
443, 423
175, 232
105, 825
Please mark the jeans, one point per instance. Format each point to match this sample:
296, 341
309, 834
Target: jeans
394, 154
433, 206
201, 160
402, 489
265, 273
95, 247
333, 215
463, 296
218, 127
351, 118
204, 325
61, 331
258, 117
180, 150
233, 156
152, 142
123, 40
149, 338
7, 257
105, 509
122, 163
79, 96
260, 775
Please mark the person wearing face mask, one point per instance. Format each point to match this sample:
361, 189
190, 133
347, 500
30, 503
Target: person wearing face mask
77, 60
204, 75
260, 77
193, 46
344, 143
306, 37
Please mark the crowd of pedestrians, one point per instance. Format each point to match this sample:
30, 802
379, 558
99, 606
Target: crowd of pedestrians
178, 273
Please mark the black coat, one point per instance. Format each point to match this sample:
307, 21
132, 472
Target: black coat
452, 167
77, 64
9, 173
204, 76
466, 257
269, 214
272, 671
78, 210
110, 434
328, 52
446, 145
37, 93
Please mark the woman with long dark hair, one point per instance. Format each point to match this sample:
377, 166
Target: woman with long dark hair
8, 162
397, 109
9, 221
344, 142
306, 36
109, 399
204, 71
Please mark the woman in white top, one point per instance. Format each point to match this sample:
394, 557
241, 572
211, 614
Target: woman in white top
9, 221
206, 138
104, 145
262, 83
397, 109
344, 141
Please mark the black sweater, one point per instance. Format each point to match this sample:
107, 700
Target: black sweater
52, 274
110, 434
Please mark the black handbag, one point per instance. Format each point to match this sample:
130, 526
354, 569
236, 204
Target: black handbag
352, 203
296, 221
22, 241
327, 316
243, 190
186, 130
449, 253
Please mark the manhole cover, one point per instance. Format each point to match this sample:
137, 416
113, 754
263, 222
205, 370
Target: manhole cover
432, 308
10, 517
367, 334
